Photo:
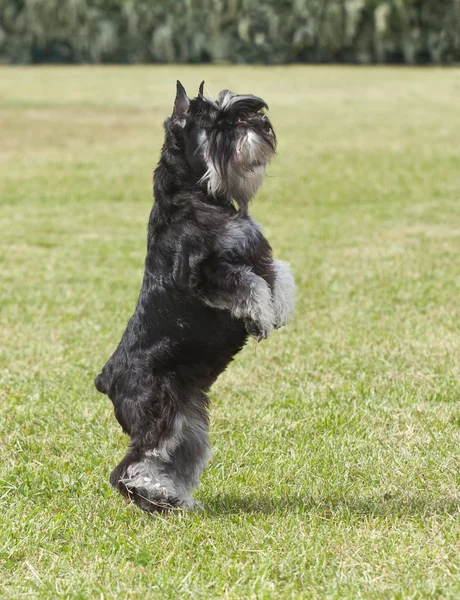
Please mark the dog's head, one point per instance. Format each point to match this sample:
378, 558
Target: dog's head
227, 142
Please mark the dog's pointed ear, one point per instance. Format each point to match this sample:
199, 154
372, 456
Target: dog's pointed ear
181, 104
201, 89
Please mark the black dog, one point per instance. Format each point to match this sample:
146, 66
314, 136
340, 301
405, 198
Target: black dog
209, 281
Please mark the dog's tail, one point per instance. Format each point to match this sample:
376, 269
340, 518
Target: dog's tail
100, 384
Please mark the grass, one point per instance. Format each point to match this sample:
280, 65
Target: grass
336, 466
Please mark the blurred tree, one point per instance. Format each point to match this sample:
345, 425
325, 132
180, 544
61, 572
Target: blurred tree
252, 31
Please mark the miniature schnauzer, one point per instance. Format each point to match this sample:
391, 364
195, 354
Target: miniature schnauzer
209, 282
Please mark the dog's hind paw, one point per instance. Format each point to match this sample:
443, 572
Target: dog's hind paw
162, 503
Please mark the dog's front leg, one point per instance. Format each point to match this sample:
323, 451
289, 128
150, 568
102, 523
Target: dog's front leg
246, 295
283, 293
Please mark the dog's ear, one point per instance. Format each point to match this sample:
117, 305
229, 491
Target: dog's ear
201, 89
181, 104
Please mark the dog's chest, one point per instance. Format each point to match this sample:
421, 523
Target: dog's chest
239, 237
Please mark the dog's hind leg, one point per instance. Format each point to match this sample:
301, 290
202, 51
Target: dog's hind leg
190, 454
162, 475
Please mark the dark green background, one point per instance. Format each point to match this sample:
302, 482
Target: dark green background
239, 31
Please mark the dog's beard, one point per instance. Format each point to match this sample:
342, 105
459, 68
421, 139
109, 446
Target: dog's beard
236, 169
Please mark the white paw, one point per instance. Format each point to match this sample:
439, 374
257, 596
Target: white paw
283, 294
261, 313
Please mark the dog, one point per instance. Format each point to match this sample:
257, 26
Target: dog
210, 281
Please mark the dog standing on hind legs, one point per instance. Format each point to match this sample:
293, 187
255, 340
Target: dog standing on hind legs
210, 281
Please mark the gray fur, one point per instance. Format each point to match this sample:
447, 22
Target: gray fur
227, 99
238, 236
166, 475
246, 176
283, 293
210, 281
253, 302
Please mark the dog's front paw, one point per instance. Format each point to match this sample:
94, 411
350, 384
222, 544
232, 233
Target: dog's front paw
257, 330
260, 316
283, 294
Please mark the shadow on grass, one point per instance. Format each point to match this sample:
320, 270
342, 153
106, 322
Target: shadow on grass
391, 505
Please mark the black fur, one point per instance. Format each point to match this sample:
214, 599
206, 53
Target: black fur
209, 281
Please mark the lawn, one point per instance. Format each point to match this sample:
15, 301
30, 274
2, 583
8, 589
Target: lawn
335, 471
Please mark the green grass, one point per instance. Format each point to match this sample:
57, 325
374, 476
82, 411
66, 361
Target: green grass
336, 442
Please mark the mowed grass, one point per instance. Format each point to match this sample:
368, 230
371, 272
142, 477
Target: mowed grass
336, 442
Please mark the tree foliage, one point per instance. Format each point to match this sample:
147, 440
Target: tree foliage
239, 31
